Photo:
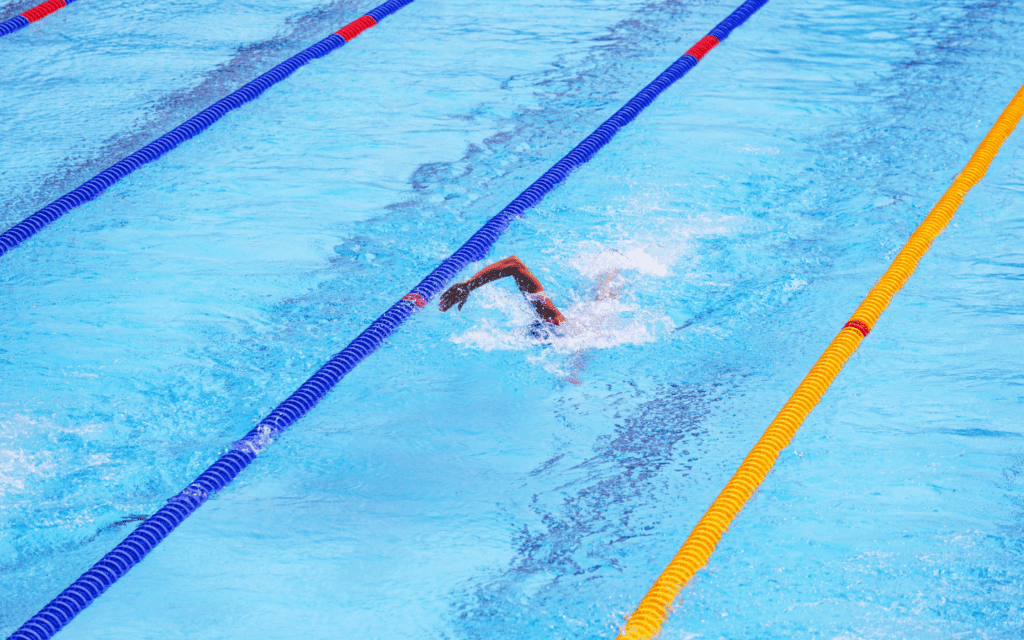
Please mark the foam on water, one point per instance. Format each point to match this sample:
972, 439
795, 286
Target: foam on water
20, 460
17, 466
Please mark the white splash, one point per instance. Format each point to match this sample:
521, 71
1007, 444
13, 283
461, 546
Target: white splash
607, 263
17, 465
26, 455
602, 316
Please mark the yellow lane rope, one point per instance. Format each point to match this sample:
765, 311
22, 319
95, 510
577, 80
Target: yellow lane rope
646, 621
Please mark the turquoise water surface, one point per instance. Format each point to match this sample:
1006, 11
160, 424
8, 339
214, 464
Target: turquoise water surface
466, 482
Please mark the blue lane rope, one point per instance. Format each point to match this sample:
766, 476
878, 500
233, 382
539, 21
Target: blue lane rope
27, 17
133, 548
11, 25
189, 129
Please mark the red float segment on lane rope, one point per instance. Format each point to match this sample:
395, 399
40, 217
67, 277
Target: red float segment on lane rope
415, 298
355, 27
859, 326
707, 43
42, 10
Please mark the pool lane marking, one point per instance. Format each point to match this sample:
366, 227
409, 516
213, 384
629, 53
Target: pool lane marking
26, 18
40, 11
192, 127
648, 618
137, 544
416, 299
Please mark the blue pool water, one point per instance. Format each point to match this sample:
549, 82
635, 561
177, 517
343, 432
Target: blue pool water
465, 481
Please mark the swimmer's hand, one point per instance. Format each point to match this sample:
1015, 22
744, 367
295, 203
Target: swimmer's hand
458, 293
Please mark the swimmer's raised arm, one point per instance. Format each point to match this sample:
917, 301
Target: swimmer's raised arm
512, 267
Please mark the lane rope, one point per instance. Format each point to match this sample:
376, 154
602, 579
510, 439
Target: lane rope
192, 127
646, 621
25, 18
133, 548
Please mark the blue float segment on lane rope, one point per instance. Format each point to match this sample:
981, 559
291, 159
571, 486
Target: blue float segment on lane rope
9, 26
386, 9
133, 548
185, 131
738, 17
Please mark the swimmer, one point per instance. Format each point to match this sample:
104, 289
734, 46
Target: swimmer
609, 287
512, 267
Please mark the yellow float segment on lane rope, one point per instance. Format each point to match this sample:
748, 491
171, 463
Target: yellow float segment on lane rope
646, 621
